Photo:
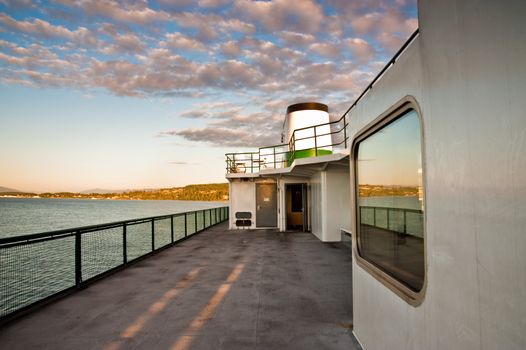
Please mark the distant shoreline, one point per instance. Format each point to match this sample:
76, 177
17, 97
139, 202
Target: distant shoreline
202, 192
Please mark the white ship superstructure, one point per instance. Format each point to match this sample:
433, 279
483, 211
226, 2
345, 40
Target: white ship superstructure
429, 179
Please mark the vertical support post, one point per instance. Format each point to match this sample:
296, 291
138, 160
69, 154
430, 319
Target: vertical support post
374, 216
274, 165
153, 235
251, 166
388, 218
185, 225
405, 221
195, 219
315, 143
172, 227
124, 245
360, 220
78, 259
345, 130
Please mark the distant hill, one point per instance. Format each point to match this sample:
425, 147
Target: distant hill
201, 192
101, 191
8, 190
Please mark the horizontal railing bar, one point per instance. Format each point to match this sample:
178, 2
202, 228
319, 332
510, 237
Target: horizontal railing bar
393, 209
319, 125
241, 152
38, 240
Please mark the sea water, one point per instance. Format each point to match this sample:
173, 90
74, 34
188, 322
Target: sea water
20, 216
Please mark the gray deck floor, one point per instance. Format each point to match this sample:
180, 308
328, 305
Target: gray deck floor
218, 290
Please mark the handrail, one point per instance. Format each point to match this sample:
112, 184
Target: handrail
73, 258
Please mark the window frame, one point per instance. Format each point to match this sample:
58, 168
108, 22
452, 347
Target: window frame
394, 112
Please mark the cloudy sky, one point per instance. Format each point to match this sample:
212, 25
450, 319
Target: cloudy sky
144, 94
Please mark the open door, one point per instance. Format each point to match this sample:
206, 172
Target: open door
297, 213
266, 205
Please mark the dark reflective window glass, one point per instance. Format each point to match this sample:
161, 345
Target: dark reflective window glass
390, 200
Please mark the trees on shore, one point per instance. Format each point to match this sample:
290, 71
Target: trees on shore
201, 192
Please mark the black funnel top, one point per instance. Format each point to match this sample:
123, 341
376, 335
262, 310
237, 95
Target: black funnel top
306, 106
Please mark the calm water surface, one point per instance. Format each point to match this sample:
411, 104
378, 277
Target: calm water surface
20, 216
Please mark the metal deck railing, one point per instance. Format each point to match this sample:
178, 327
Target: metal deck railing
312, 141
35, 268
399, 220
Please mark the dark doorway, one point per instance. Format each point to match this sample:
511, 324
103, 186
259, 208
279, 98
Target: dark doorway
296, 203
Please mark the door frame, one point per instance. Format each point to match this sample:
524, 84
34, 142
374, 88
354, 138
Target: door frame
276, 195
305, 205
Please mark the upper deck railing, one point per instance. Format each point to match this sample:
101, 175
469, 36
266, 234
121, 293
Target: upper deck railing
37, 267
311, 141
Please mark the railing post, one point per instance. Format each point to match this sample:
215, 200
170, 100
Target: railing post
345, 130
153, 235
124, 245
78, 259
405, 221
195, 218
251, 168
172, 227
360, 216
388, 218
315, 143
185, 227
374, 216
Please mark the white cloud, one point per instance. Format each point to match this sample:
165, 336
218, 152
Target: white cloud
212, 3
297, 39
361, 49
43, 28
183, 42
136, 12
326, 49
301, 16
230, 48
124, 43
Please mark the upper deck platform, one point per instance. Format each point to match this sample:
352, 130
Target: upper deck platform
218, 290
308, 145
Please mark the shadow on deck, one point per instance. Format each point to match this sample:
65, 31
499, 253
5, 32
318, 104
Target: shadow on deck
218, 290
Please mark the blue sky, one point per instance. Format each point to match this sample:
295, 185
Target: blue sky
143, 94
